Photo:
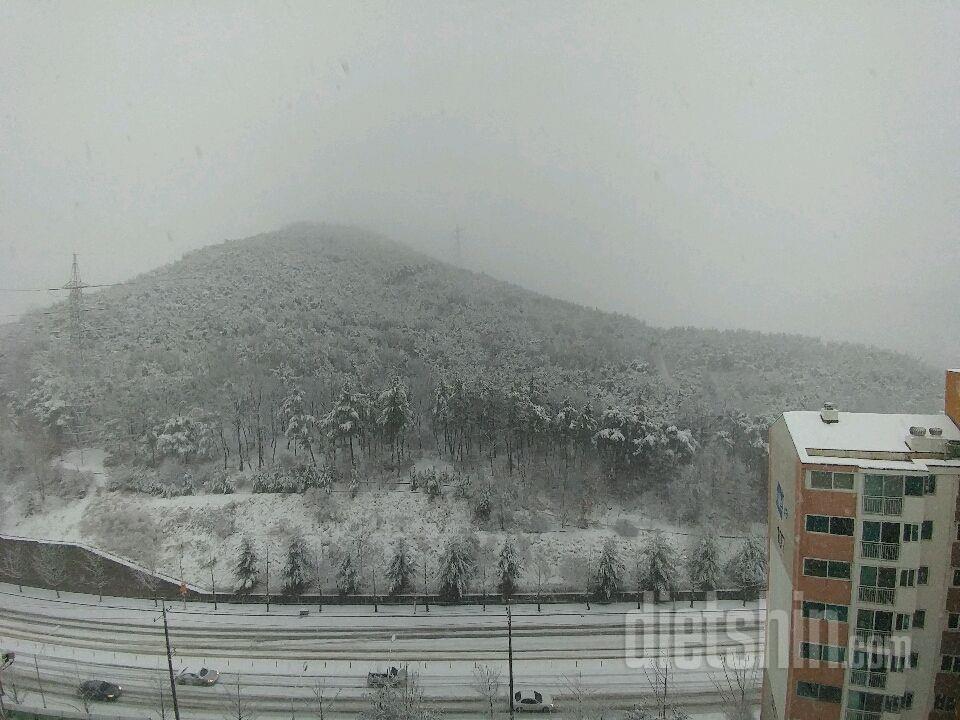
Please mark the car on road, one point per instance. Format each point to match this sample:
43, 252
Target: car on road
529, 700
391, 678
203, 677
99, 690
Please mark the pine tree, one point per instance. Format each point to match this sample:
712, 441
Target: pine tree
508, 569
401, 571
295, 570
455, 566
749, 567
608, 578
703, 565
659, 568
348, 581
246, 572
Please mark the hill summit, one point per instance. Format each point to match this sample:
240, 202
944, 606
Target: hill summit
335, 306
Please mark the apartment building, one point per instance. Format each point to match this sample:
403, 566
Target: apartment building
863, 607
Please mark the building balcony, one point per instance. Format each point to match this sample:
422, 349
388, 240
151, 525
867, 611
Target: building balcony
861, 715
879, 551
882, 505
867, 678
877, 638
876, 595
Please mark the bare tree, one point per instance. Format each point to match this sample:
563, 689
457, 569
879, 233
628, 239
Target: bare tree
12, 564
320, 699
486, 683
238, 707
51, 565
584, 705
660, 681
738, 685
96, 571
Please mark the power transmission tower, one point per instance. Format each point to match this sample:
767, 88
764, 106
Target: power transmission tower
75, 304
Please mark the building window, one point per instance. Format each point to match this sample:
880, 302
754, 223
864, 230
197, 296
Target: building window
930, 485
868, 702
876, 620
831, 481
950, 664
908, 578
818, 691
884, 577
779, 539
883, 532
923, 575
913, 486
914, 659
911, 532
956, 577
883, 485
947, 703
903, 621
828, 524
907, 700
953, 621
827, 568
926, 530
826, 653
825, 611
919, 618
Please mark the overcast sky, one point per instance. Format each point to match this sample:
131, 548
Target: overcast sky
788, 167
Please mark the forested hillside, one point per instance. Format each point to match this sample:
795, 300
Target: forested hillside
326, 342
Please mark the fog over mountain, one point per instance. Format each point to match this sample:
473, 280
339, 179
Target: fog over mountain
788, 168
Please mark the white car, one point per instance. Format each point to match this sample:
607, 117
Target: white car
532, 701
203, 676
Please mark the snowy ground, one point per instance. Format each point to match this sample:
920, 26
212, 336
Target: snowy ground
280, 658
194, 528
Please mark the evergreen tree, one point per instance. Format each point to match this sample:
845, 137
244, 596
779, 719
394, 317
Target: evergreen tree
659, 567
401, 571
295, 570
608, 578
246, 572
749, 567
456, 563
508, 569
394, 416
703, 565
348, 580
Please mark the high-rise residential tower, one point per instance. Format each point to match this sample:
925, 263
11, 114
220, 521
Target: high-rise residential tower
863, 607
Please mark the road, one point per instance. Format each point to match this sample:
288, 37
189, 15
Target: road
281, 660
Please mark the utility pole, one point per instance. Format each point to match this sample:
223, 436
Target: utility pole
510, 654
173, 682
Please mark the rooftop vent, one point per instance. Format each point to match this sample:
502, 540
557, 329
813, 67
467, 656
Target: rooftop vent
936, 432
829, 413
917, 431
920, 441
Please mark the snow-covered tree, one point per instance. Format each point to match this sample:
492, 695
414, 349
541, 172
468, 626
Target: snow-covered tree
343, 423
295, 568
748, 567
348, 579
704, 565
185, 438
456, 563
508, 569
659, 567
608, 576
394, 415
401, 570
246, 571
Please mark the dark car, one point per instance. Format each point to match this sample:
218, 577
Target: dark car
99, 690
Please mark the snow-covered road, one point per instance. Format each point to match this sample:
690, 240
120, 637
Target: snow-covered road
280, 658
